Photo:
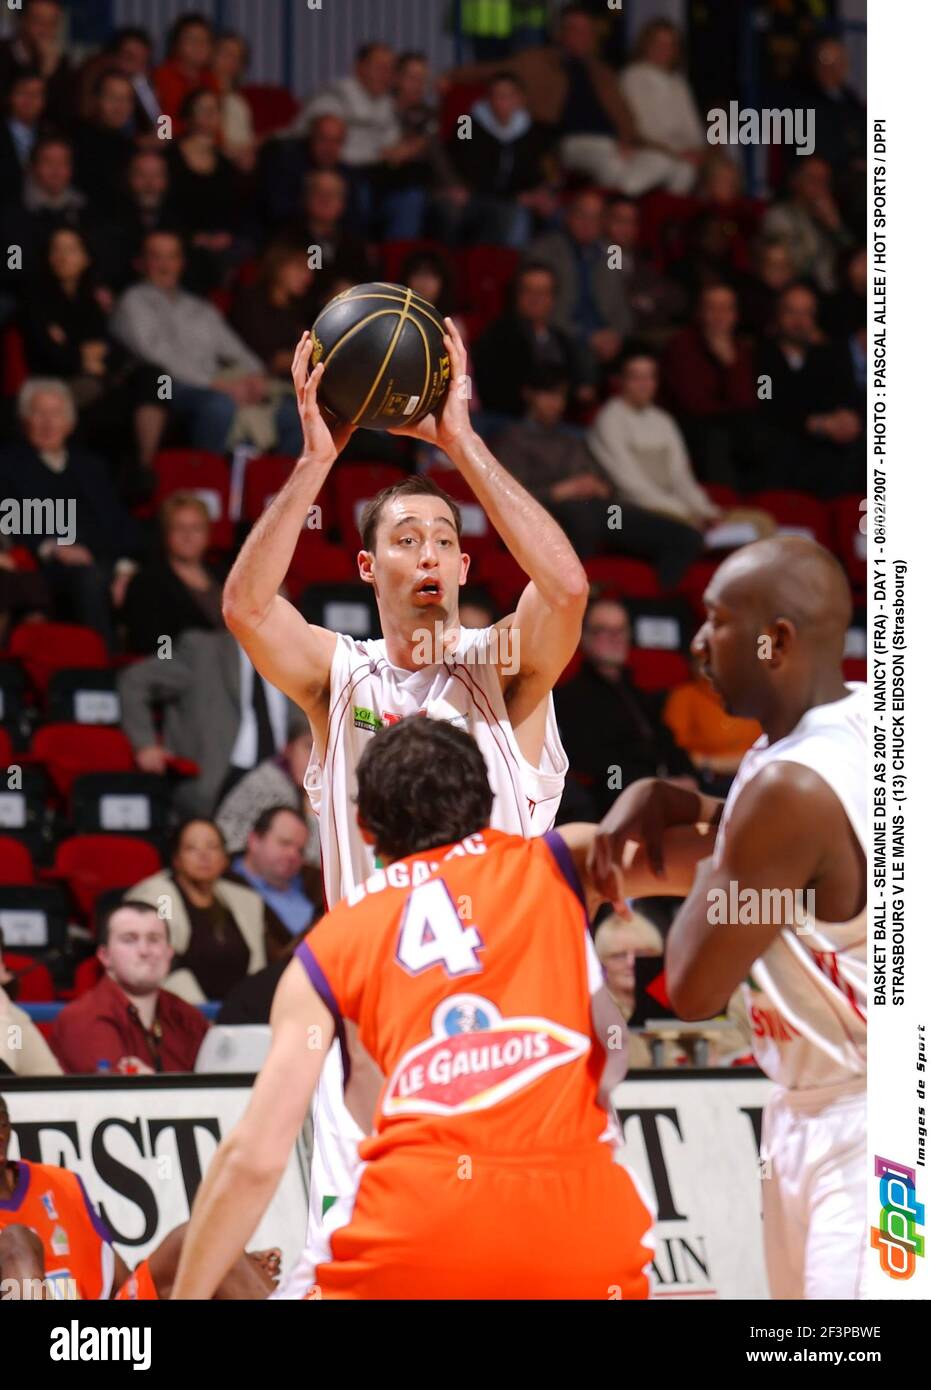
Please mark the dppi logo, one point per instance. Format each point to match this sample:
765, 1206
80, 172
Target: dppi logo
896, 1237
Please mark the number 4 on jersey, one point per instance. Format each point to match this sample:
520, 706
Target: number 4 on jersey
432, 934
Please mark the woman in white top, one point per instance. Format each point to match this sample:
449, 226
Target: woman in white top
660, 96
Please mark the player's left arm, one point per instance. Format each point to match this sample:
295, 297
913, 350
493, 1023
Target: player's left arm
777, 839
248, 1165
549, 614
684, 847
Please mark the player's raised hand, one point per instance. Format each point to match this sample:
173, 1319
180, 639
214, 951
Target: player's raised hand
453, 422
321, 444
640, 814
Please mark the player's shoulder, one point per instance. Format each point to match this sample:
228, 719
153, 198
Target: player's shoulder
783, 788
48, 1178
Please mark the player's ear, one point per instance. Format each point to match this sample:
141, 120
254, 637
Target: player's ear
783, 634
464, 562
366, 560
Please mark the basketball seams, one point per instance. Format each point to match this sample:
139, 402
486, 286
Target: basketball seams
389, 353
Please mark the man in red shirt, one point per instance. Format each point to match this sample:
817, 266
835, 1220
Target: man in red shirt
128, 1020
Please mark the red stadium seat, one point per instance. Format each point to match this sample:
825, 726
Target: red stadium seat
265, 476
694, 582
203, 473
394, 253
44, 648
478, 537
796, 512
457, 101
723, 495
652, 669
89, 864
6, 749
14, 369
622, 578
15, 862
68, 750
498, 572
849, 517
272, 107
34, 981
489, 271
354, 484
317, 561
854, 669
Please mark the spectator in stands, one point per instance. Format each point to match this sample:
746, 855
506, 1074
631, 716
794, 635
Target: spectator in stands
278, 781
412, 165
365, 102
323, 225
67, 336
271, 314
284, 164
571, 89
655, 302
105, 142
813, 432
216, 712
838, 114
23, 1050
177, 591
612, 731
37, 47
553, 463
94, 538
809, 221
24, 110
760, 290
211, 370
230, 61
130, 1022
659, 95
714, 740
250, 1002
205, 194
619, 943
219, 931
274, 864
523, 338
129, 52
709, 381
49, 200
187, 66
24, 594
476, 608
591, 304
428, 273
642, 450
846, 311
502, 167
145, 208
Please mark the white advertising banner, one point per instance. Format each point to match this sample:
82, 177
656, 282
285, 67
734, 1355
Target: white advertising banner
693, 1140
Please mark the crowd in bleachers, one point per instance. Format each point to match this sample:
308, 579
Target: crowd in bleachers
671, 365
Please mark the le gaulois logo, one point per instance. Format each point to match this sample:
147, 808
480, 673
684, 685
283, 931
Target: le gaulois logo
476, 1058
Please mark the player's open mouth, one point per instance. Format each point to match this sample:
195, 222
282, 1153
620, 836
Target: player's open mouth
429, 589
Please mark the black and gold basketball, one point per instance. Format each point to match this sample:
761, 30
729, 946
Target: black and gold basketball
386, 364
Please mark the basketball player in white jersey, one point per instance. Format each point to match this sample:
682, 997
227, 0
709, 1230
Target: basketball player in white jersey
795, 824
494, 682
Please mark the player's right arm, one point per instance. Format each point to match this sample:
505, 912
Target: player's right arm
645, 811
630, 872
291, 653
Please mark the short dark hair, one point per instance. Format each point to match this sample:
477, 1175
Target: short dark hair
177, 835
411, 55
534, 268
106, 915
263, 822
107, 76
190, 100
45, 142
365, 50
547, 376
422, 783
189, 20
505, 75
414, 486
130, 33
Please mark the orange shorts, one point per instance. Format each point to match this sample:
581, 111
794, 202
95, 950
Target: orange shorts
461, 1226
140, 1285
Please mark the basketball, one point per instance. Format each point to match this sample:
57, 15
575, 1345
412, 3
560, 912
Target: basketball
386, 364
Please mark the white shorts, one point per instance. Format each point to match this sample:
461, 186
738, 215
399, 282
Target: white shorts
815, 1223
335, 1169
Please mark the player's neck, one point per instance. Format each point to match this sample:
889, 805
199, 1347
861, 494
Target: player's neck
422, 646
825, 688
8, 1176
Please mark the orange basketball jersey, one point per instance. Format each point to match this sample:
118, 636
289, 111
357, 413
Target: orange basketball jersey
470, 974
78, 1251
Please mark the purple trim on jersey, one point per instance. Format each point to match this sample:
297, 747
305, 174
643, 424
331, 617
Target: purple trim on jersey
560, 852
96, 1220
23, 1176
322, 985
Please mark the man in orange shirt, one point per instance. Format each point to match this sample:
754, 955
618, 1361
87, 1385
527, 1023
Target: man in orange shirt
467, 971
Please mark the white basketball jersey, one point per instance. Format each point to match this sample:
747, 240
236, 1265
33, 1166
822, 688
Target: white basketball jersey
366, 694
807, 1003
